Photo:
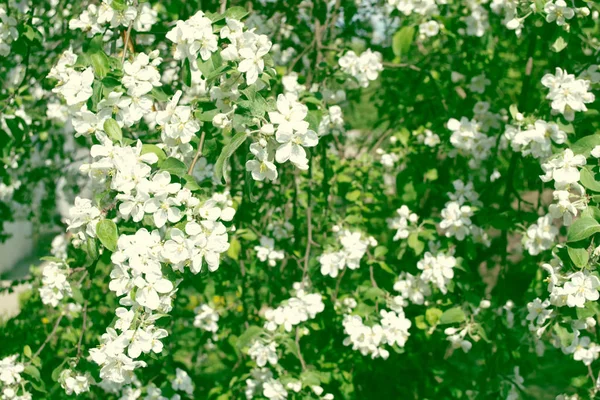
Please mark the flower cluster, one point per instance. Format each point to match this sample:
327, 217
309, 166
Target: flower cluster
403, 222
297, 309
206, 318
266, 251
363, 68
354, 247
55, 286
391, 330
12, 383
568, 94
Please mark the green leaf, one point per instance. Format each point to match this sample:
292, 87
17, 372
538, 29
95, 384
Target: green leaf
206, 116
387, 268
579, 256
107, 233
514, 111
559, 44
586, 144
582, 228
353, 196
420, 322
186, 73
33, 372
374, 293
113, 130
152, 148
452, 316
174, 167
414, 243
27, 351
235, 247
587, 179
380, 251
236, 13
590, 310
91, 248
433, 315
402, 41
119, 5
190, 183
77, 295
159, 94
246, 338
99, 62
209, 66
228, 150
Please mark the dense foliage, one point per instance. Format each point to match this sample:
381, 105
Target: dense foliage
303, 199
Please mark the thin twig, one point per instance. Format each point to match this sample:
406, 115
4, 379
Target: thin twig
337, 285
49, 337
302, 362
198, 153
401, 65
83, 328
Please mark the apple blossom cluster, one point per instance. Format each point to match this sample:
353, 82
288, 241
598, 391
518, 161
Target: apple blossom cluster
287, 134
332, 122
536, 139
266, 251
178, 127
82, 220
73, 86
262, 382
96, 19
353, 247
206, 318
297, 309
456, 215
392, 330
567, 93
55, 286
437, 269
421, 7
182, 382
247, 48
12, 383
468, 139
457, 338
74, 383
412, 289
8, 31
404, 223
263, 350
364, 68
194, 37
540, 236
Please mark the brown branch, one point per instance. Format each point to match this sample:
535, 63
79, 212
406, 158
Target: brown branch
49, 337
83, 328
302, 362
198, 153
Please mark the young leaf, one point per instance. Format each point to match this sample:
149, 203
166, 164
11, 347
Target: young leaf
587, 179
236, 13
580, 257
452, 315
186, 73
107, 233
402, 41
173, 166
113, 130
228, 150
583, 228
152, 148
